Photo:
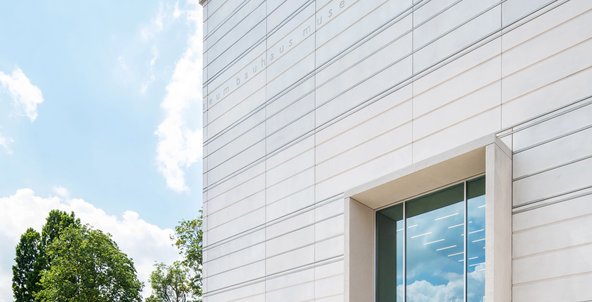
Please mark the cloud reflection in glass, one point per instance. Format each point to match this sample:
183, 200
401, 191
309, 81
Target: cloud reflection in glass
435, 242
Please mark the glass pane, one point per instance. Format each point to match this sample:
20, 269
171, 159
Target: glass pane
476, 240
435, 246
389, 254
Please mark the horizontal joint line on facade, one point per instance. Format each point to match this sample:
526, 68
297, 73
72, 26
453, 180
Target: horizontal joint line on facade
246, 167
541, 118
250, 29
242, 5
250, 211
275, 275
231, 15
320, 127
458, 26
308, 281
550, 140
234, 202
273, 222
587, 101
219, 134
279, 235
209, 15
533, 15
367, 139
529, 205
557, 80
338, 56
267, 257
360, 42
351, 48
541, 60
564, 276
554, 222
350, 168
553, 167
416, 139
267, 135
234, 187
414, 76
446, 8
266, 205
276, 221
261, 41
247, 64
259, 107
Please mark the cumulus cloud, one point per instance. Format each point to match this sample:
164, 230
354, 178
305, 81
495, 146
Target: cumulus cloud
453, 290
424, 291
145, 243
22, 92
61, 191
179, 145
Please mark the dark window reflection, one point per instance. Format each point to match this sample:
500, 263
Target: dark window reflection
435, 247
427, 234
389, 253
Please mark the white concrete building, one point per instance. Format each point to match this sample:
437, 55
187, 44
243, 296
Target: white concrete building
398, 150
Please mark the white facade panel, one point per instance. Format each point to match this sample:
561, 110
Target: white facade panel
309, 99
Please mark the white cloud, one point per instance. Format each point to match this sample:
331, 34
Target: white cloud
179, 145
425, 291
5, 144
152, 34
61, 191
145, 243
23, 93
5, 283
177, 12
155, 26
151, 73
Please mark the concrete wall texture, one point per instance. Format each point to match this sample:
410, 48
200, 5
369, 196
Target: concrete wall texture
305, 99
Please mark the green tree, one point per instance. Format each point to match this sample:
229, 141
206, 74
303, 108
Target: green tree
169, 283
56, 222
25, 271
181, 281
86, 265
31, 258
188, 239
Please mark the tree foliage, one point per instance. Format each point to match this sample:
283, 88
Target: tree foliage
169, 283
31, 258
188, 239
87, 265
56, 222
25, 271
185, 275
69, 261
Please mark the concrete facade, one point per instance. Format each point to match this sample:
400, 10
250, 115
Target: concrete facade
307, 100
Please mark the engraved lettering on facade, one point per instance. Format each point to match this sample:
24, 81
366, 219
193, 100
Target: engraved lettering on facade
280, 49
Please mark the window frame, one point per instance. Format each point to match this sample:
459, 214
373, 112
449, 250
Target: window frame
487, 156
404, 209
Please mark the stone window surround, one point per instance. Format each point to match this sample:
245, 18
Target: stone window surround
488, 156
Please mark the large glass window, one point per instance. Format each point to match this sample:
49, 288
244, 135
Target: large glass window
432, 248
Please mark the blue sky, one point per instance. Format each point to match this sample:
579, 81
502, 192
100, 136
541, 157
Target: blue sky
94, 133
100, 108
